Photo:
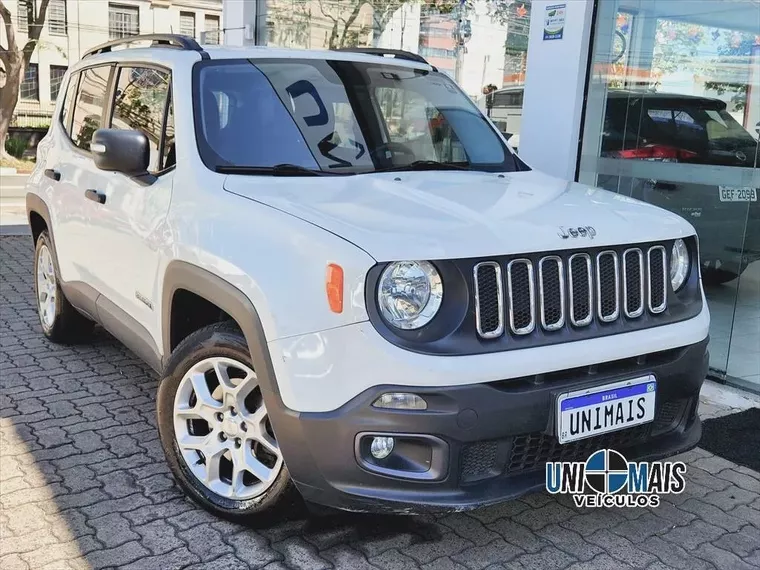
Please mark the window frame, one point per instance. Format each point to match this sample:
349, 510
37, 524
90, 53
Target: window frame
60, 84
73, 76
35, 66
117, 66
50, 21
186, 14
128, 6
106, 108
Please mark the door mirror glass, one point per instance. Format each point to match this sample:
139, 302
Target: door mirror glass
117, 150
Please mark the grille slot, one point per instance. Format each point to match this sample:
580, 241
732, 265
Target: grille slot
579, 273
633, 284
522, 305
480, 461
489, 299
658, 278
607, 286
551, 293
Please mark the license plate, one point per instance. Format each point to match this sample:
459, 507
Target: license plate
737, 194
607, 408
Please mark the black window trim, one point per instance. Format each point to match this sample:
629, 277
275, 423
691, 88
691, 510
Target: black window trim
73, 76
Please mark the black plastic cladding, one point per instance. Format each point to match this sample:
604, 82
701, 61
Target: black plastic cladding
452, 332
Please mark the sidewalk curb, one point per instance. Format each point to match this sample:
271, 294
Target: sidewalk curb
15, 230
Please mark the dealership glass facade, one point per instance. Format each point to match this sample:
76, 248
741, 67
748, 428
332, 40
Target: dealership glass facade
673, 118
672, 114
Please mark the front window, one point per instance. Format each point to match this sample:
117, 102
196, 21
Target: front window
339, 117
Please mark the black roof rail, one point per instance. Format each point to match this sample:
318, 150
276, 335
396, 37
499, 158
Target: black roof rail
396, 53
175, 41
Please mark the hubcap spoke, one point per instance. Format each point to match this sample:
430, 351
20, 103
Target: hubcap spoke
229, 429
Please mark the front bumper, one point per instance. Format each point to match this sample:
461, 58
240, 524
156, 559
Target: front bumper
496, 437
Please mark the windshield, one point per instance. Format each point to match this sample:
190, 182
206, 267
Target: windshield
338, 117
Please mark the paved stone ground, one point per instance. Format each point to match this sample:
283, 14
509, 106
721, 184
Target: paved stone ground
83, 484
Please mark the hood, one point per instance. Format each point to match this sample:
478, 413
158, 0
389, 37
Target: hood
453, 214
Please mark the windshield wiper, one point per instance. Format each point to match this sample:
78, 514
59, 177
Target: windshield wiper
276, 170
426, 165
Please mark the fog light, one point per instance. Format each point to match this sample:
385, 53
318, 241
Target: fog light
400, 401
381, 447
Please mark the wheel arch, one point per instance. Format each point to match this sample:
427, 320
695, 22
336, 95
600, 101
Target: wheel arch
232, 301
38, 214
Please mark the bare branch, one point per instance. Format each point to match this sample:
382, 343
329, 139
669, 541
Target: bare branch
39, 21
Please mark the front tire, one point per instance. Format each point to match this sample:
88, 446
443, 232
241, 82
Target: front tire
60, 321
215, 430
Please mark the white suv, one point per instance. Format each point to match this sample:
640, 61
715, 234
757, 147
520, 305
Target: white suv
350, 285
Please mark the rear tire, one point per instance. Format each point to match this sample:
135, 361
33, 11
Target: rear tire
60, 321
215, 431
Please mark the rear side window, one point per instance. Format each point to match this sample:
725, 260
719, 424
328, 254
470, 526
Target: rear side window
68, 100
91, 101
140, 103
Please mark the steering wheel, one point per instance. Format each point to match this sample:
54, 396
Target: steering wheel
394, 148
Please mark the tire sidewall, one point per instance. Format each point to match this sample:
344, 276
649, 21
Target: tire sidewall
44, 240
214, 344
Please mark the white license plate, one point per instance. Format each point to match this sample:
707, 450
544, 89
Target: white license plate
737, 194
607, 408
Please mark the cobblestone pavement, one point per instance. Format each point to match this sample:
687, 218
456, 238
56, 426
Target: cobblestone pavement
83, 484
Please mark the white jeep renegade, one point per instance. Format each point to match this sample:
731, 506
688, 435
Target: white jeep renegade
349, 284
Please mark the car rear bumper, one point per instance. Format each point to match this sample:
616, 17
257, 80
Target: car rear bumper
488, 442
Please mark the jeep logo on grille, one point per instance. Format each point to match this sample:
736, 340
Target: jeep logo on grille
580, 231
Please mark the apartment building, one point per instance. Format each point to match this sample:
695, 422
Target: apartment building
73, 26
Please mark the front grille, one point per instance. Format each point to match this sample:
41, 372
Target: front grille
571, 291
479, 461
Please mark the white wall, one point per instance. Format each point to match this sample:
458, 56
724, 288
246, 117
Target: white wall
554, 86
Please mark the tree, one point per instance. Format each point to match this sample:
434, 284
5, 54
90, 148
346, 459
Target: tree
382, 12
342, 15
15, 60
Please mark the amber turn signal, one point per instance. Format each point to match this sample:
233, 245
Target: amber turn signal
334, 287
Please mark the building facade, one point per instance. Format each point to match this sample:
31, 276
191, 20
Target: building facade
73, 26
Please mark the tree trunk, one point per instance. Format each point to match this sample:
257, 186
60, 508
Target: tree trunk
14, 70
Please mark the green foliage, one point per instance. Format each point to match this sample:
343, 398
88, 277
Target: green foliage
15, 146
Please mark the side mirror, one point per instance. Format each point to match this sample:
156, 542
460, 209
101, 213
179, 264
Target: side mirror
128, 152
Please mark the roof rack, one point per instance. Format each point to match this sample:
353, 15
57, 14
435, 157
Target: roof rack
175, 41
396, 53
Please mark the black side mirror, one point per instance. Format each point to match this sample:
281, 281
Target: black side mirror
128, 152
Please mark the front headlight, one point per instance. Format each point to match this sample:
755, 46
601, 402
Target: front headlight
679, 264
409, 294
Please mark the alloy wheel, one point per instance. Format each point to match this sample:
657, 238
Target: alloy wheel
223, 430
46, 288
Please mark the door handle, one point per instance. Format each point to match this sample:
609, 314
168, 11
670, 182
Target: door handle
53, 174
95, 196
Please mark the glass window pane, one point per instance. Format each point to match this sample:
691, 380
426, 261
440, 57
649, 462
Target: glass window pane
212, 29
672, 119
170, 152
30, 85
56, 17
140, 103
187, 24
123, 21
91, 100
56, 76
71, 90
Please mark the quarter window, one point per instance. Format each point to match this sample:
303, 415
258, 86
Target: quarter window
123, 21
88, 112
140, 103
71, 90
